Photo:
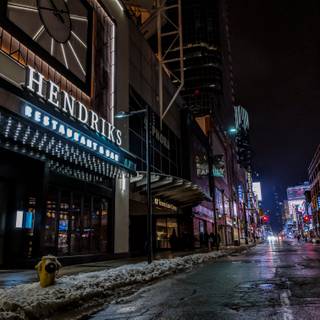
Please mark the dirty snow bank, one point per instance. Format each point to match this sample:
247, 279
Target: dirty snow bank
29, 301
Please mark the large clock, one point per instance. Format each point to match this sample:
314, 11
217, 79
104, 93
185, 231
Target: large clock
59, 27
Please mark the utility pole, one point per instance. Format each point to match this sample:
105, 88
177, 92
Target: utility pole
245, 223
212, 187
149, 195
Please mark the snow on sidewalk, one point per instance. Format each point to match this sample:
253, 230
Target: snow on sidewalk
30, 301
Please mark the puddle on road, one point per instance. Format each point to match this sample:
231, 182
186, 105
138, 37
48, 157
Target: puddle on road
263, 286
266, 286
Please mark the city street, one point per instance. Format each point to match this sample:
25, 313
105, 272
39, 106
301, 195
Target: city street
153, 157
271, 281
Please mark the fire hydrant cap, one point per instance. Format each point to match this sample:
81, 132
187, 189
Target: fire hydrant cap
51, 267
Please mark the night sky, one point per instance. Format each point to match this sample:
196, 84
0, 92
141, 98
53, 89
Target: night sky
276, 61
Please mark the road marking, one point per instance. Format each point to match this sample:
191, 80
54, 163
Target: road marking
285, 305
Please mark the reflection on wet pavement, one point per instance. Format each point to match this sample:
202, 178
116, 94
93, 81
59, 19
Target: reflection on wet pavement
271, 281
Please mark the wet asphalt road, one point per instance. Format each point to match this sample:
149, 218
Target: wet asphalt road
271, 281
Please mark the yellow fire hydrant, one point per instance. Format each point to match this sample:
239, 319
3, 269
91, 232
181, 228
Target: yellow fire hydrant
47, 269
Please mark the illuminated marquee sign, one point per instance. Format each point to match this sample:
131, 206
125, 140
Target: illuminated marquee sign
166, 205
58, 98
54, 124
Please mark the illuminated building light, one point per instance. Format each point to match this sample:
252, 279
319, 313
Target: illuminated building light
64, 56
80, 41
52, 46
23, 7
67, 132
119, 4
45, 144
36, 82
77, 59
38, 33
78, 18
19, 219
123, 183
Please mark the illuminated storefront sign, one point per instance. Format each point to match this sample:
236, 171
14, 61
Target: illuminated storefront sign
318, 202
229, 221
218, 172
68, 132
202, 168
201, 210
256, 186
240, 193
166, 205
297, 192
58, 98
218, 168
160, 137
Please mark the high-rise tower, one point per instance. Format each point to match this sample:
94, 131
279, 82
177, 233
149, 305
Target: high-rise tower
208, 86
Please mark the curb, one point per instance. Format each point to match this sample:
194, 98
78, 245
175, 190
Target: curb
91, 290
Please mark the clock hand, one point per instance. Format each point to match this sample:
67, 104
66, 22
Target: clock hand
56, 11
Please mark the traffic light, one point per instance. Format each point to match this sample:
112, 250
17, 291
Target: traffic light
196, 93
265, 219
306, 219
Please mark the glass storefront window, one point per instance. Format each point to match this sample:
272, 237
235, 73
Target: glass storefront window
75, 226
104, 225
63, 225
51, 221
166, 229
196, 229
86, 225
161, 230
75, 223
95, 224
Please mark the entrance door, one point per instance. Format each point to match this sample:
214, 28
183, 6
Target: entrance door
3, 213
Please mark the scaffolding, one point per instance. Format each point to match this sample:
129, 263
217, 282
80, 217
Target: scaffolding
163, 19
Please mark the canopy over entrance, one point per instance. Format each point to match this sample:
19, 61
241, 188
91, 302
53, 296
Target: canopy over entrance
177, 191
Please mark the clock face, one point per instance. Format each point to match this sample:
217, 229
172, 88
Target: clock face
60, 27
55, 16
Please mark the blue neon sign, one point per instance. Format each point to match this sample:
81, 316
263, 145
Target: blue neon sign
68, 132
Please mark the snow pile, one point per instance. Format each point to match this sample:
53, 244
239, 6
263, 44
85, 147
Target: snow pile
30, 301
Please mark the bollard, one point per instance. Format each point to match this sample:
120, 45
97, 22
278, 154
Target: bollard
47, 269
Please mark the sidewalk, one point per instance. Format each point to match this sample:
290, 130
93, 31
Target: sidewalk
9, 278
78, 295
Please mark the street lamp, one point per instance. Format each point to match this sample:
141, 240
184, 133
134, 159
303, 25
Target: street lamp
232, 131
146, 112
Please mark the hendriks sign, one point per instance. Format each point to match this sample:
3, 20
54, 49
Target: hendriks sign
62, 100
68, 132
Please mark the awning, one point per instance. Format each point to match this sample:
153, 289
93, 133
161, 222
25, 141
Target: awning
175, 190
62, 155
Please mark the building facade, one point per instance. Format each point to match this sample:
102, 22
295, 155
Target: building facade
297, 222
63, 160
314, 179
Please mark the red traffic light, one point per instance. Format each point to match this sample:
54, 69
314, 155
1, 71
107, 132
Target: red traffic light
196, 93
306, 219
265, 218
